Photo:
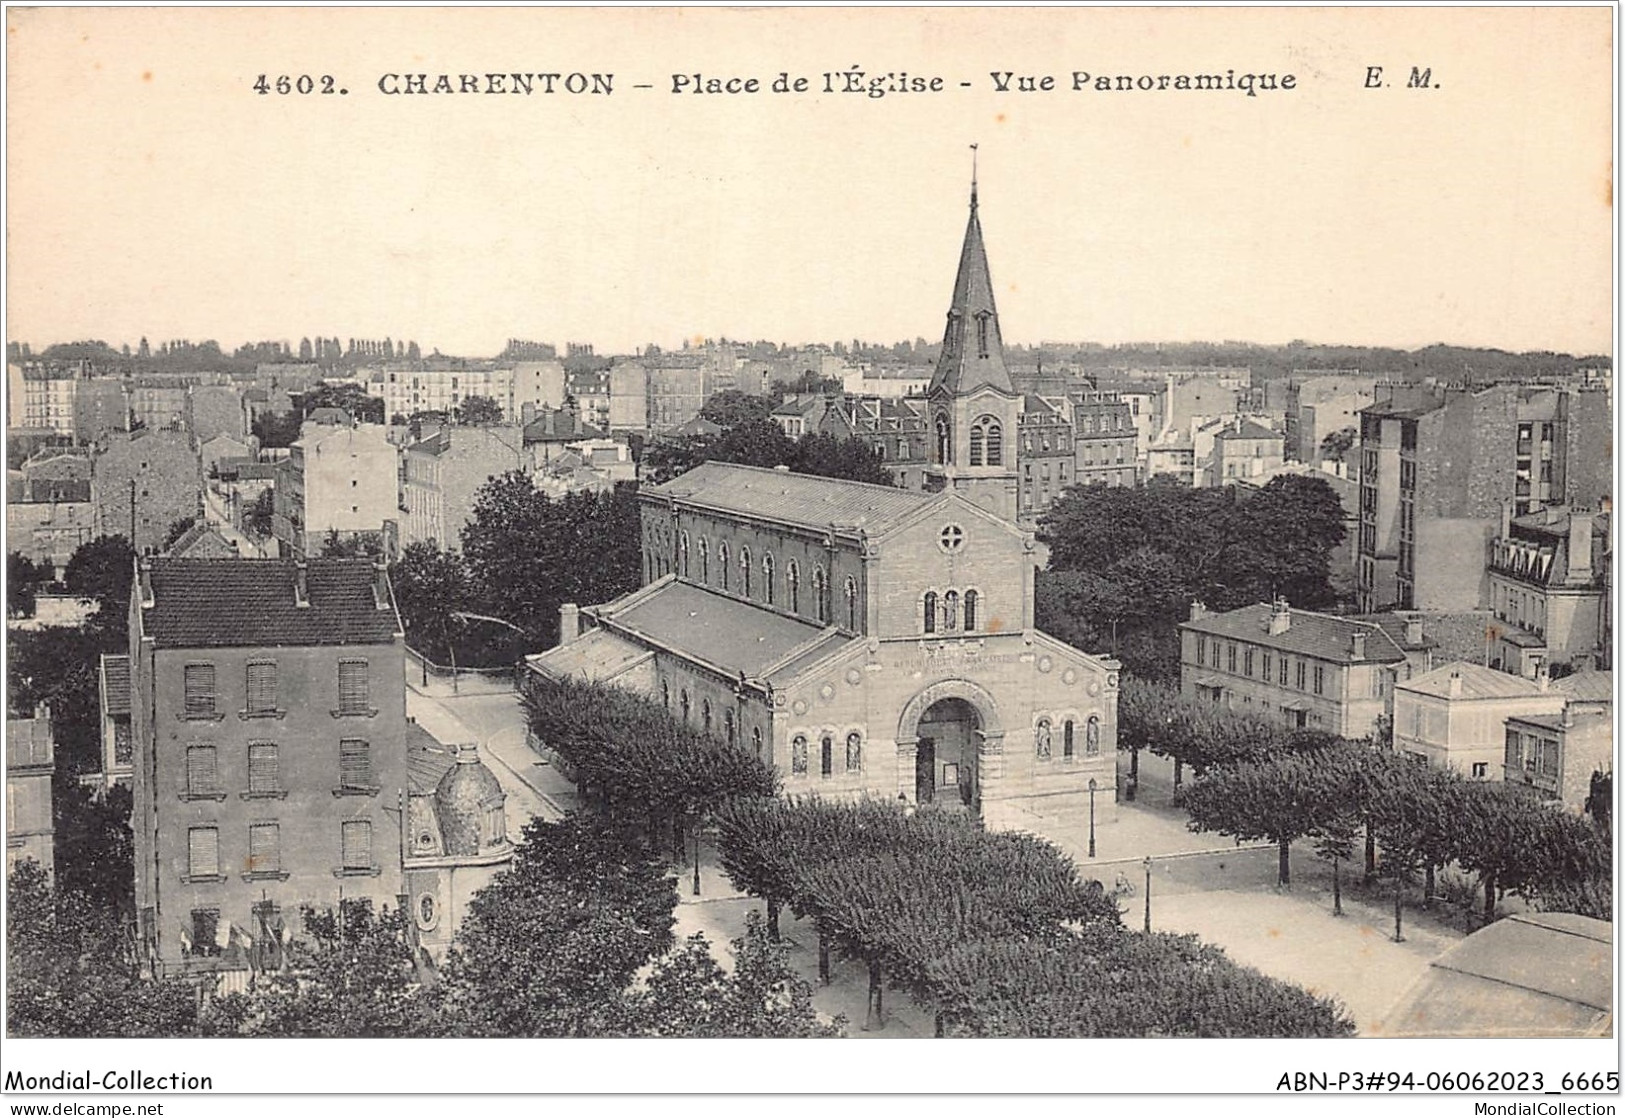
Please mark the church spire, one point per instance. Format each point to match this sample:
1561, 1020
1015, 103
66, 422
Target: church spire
972, 348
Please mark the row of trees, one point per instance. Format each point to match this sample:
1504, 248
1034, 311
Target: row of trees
1125, 563
1421, 818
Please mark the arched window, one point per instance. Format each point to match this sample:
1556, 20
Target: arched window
744, 571
986, 442
682, 700
977, 435
826, 756
705, 714
705, 563
854, 752
798, 756
1041, 739
665, 694
731, 730
950, 611
792, 584
930, 611
756, 741
971, 602
767, 577
1066, 739
852, 604
821, 593
722, 562
981, 333
944, 442
1091, 736
995, 445
682, 553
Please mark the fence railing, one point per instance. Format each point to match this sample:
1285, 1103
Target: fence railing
429, 669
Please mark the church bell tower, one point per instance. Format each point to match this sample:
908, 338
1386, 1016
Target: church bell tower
973, 409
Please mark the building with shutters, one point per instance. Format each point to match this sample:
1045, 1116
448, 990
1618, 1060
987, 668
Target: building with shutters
267, 714
30, 763
866, 640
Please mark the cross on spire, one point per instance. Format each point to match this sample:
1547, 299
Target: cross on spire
973, 176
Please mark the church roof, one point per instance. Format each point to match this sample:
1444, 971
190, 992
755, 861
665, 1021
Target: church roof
791, 498
722, 631
967, 363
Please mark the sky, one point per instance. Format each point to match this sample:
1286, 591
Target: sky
152, 191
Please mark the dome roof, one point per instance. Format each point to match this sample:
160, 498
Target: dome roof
461, 799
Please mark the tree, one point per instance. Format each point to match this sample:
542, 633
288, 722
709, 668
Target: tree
258, 513
102, 570
731, 407
351, 397
59, 667
430, 585
1335, 446
1278, 799
356, 545
177, 530
95, 848
276, 429
850, 458
23, 579
478, 411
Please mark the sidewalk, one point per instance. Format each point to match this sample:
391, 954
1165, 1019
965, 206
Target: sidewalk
534, 789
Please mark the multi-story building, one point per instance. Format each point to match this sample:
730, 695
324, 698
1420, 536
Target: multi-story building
549, 433
1104, 438
159, 403
1317, 403
213, 410
30, 762
268, 715
1436, 467
336, 480
894, 428
1453, 717
444, 473
407, 389
867, 640
1311, 670
677, 390
1546, 589
49, 522
49, 392
1044, 453
150, 478
1244, 450
100, 405
118, 749
1557, 755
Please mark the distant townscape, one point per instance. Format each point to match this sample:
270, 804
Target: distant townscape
954, 688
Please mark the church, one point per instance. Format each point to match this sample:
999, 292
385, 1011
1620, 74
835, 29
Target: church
864, 640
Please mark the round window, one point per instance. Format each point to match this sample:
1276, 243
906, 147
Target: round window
427, 913
952, 538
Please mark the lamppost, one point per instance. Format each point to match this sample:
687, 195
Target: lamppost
1091, 817
1148, 893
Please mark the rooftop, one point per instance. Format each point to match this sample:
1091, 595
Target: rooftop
1319, 635
731, 634
792, 498
115, 684
1247, 429
1587, 687
234, 603
1477, 682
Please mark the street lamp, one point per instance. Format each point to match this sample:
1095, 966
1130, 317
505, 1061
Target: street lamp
1148, 893
1091, 817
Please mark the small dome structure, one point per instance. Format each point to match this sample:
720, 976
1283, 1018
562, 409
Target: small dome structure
469, 803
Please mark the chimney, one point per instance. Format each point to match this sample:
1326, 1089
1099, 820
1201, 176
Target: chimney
145, 569
1455, 685
301, 587
1567, 721
1280, 617
1413, 631
1357, 645
380, 584
1198, 610
1506, 519
1543, 677
1580, 545
569, 623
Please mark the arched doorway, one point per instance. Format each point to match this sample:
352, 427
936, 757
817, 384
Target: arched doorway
949, 745
945, 758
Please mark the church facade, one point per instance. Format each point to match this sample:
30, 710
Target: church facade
865, 640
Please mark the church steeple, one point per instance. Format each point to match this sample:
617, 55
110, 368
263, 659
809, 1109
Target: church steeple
972, 348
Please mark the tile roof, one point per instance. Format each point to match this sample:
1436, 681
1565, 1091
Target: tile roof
1587, 687
792, 498
235, 603
1477, 682
1319, 635
426, 759
731, 634
597, 656
115, 684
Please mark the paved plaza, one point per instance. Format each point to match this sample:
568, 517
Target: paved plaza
1204, 884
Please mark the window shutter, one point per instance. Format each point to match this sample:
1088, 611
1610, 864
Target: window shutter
355, 764
199, 684
201, 774
203, 852
261, 687
352, 685
262, 768
357, 839
264, 848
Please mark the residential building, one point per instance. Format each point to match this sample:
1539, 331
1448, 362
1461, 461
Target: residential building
445, 472
1556, 755
677, 390
866, 640
1318, 403
118, 750
159, 403
1044, 454
1309, 670
1546, 588
1243, 449
150, 478
1453, 717
211, 452
30, 762
1436, 467
47, 518
268, 715
336, 480
215, 410
201, 541
100, 405
894, 428
1104, 439
550, 431
49, 392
